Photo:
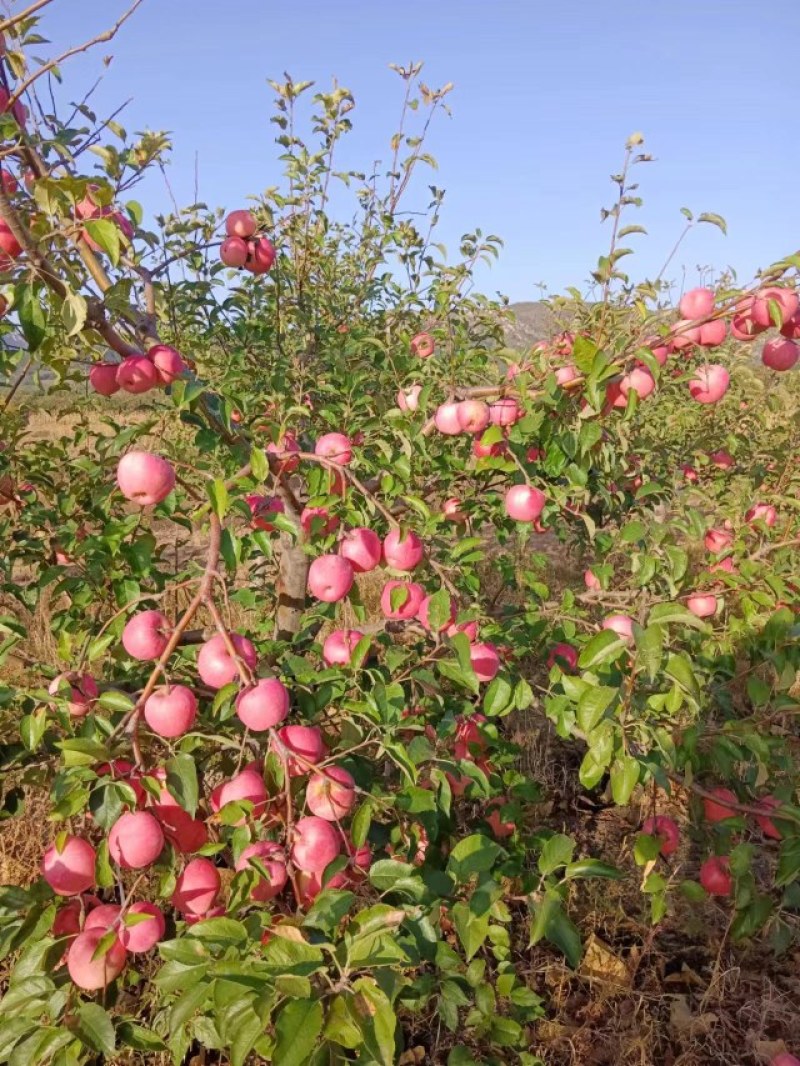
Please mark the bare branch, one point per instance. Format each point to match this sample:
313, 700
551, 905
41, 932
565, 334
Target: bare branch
22, 15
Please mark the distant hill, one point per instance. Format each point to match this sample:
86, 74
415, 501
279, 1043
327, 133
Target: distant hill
534, 322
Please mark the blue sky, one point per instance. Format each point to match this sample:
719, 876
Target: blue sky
545, 96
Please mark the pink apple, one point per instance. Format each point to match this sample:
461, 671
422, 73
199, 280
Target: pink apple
784, 1059
340, 645
640, 381
697, 303
240, 224
186, 834
685, 335
410, 598
70, 870
263, 508
762, 512
713, 333
660, 348
233, 252
505, 412
362, 547
423, 614
315, 844
90, 973
168, 362
135, 840
146, 635
215, 664
667, 829
104, 917
564, 655
689, 472
565, 375
9, 245
711, 383
451, 510
403, 552
264, 705
715, 876
743, 328
330, 578
197, 888
245, 787
330, 793
408, 399
469, 629
499, 828
717, 540
485, 660
703, 606
473, 416
171, 710
423, 345
336, 447
785, 300
446, 419
141, 936
489, 451
272, 858
722, 459
260, 255
780, 354
103, 378
621, 624
765, 823
469, 741
318, 521
82, 694
524, 503
303, 741
136, 374
591, 580
284, 451
791, 327
67, 922
718, 812
724, 565
145, 478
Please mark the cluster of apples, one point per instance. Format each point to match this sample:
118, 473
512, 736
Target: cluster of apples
719, 805
158, 367
242, 247
88, 209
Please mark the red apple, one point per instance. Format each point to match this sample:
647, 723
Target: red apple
451, 510
330, 793
272, 858
402, 552
621, 624
70, 870
423, 614
718, 812
715, 876
765, 823
409, 601
88, 972
785, 300
303, 741
168, 362
103, 378
197, 888
423, 345
170, 711
145, 478
247, 786
762, 512
215, 664
264, 705
473, 416
640, 380
485, 660
318, 521
143, 935
136, 374
446, 419
263, 508
717, 540
362, 547
711, 383
315, 844
336, 447
667, 829
697, 303
240, 224
702, 605
565, 375
260, 256
330, 578
591, 581
524, 503
780, 354
713, 333
284, 451
233, 252
505, 412
564, 655
146, 635
340, 645
135, 840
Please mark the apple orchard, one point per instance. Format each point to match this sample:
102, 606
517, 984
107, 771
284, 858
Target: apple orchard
294, 544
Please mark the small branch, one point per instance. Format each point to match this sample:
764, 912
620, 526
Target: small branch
22, 15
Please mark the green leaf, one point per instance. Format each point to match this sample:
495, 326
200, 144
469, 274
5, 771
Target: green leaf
669, 613
788, 862
31, 316
604, 647
73, 313
550, 921
297, 1029
715, 220
556, 852
583, 868
498, 698
472, 929
182, 782
472, 855
95, 1028
106, 234
592, 704
650, 650
597, 758
218, 495
624, 778
259, 467
461, 1056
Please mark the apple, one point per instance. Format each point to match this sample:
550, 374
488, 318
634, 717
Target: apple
284, 450
785, 301
423, 614
591, 580
233, 252
762, 512
489, 451
83, 693
713, 333
791, 327
724, 565
340, 645
661, 349
717, 540
264, 705
145, 478
718, 812
408, 399
451, 510
260, 256
711, 383
9, 245
640, 380
104, 917
565, 375
409, 601
88, 972
715, 876
135, 840
336, 447
469, 741
702, 605
185, 833
67, 922
780, 354
765, 823
446, 419
215, 664
524, 503
315, 844
303, 741
504, 412
318, 521
494, 819
563, 655
246, 786
7, 180
722, 459
330, 794
330, 578
485, 660
103, 378
621, 624
136, 374
362, 547
469, 629
168, 362
240, 224
423, 345
170, 711
146, 635
142, 935
784, 1059
667, 829
197, 887
262, 508
473, 415
272, 858
697, 303
70, 869
402, 552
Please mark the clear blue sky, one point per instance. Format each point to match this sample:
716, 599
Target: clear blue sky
545, 96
